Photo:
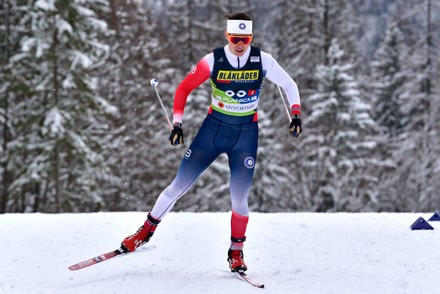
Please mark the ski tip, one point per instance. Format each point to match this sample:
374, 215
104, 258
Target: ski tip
247, 279
256, 285
73, 267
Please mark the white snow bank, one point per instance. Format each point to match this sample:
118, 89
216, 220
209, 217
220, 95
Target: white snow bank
289, 253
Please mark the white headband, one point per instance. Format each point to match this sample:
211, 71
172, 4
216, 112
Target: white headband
239, 26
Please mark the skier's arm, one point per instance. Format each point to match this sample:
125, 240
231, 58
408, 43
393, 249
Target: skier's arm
197, 76
276, 74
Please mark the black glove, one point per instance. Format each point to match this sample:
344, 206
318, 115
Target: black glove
295, 125
176, 136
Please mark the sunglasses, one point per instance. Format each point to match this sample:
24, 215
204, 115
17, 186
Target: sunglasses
237, 39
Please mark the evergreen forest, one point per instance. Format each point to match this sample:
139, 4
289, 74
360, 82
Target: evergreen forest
81, 129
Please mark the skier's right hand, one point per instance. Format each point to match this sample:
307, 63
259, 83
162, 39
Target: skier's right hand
176, 135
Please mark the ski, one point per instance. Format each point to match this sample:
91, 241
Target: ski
247, 279
95, 260
105, 256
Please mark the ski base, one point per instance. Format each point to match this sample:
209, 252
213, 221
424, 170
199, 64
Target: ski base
247, 279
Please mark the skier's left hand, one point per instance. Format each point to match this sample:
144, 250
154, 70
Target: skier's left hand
295, 125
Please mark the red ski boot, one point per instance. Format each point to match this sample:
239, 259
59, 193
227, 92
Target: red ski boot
236, 262
142, 235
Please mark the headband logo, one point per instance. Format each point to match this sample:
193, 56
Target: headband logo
242, 26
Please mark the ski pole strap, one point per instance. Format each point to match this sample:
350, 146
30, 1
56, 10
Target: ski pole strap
238, 240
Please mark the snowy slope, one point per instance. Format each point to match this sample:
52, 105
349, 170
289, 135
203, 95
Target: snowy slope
290, 253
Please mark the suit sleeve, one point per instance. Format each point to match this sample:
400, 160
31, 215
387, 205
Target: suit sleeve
200, 73
276, 74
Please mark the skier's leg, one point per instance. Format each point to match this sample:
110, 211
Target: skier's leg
242, 163
193, 164
200, 154
198, 157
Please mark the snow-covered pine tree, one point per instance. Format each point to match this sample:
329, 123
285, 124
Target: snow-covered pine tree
137, 54
418, 156
292, 37
11, 93
300, 43
337, 148
387, 81
63, 128
388, 74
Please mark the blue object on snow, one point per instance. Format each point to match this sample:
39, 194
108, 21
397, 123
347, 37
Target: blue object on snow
421, 224
435, 217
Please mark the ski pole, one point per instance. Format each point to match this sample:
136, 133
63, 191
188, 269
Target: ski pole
284, 103
154, 83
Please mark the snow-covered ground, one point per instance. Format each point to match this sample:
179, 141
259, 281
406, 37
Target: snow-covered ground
289, 253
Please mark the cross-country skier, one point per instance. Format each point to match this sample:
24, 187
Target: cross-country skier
236, 72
